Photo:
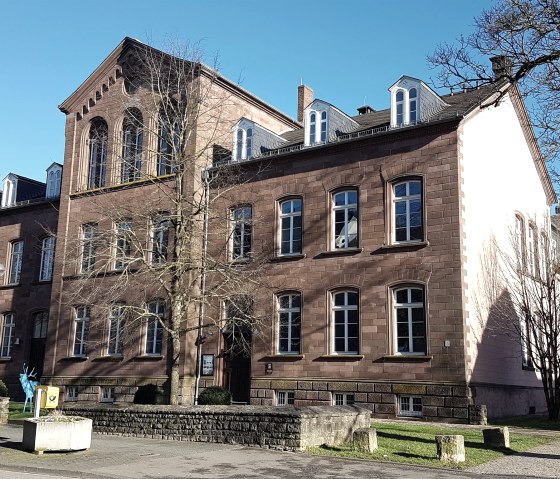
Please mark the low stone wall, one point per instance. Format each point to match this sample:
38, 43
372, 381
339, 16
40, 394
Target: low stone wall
284, 428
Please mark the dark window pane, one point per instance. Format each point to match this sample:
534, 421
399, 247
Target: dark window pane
402, 296
400, 189
419, 345
297, 247
296, 301
339, 345
338, 300
286, 207
296, 205
353, 344
339, 330
402, 315
402, 330
400, 234
352, 197
416, 233
418, 330
402, 345
415, 187
400, 96
417, 295
417, 314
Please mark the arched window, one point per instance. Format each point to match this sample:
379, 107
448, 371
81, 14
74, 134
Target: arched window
241, 235
131, 163
243, 142
160, 238
154, 329
239, 144
409, 320
345, 219
47, 258
400, 107
312, 126
412, 105
290, 226
7, 334
249, 143
289, 323
407, 211
323, 127
98, 135
345, 322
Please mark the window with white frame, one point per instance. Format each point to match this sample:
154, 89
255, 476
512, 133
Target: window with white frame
345, 322
289, 323
53, 182
107, 394
532, 250
40, 324
399, 98
116, 331
169, 146
520, 242
71, 393
241, 236
345, 219
81, 329
9, 191
343, 399
290, 227
123, 244
47, 258
98, 136
407, 211
409, 406
412, 105
544, 257
526, 343
409, 321
131, 163
89, 246
160, 238
316, 127
16, 260
8, 329
154, 330
405, 102
285, 398
243, 143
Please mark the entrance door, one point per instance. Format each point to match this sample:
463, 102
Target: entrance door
237, 367
37, 343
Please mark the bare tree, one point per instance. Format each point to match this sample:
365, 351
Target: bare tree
523, 38
146, 264
519, 296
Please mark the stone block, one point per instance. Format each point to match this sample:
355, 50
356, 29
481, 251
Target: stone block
283, 384
385, 408
72, 434
456, 401
364, 440
319, 386
439, 390
388, 398
450, 448
324, 396
260, 384
461, 391
382, 388
429, 411
343, 386
409, 389
478, 415
374, 397
496, 437
366, 387
433, 401
460, 412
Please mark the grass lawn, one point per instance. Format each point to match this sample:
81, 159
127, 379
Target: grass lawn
415, 444
15, 409
530, 422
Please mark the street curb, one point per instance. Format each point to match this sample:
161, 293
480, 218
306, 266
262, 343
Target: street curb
54, 472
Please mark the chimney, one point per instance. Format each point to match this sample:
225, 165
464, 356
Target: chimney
365, 109
502, 65
304, 98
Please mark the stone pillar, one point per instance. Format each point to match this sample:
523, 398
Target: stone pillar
478, 415
450, 448
496, 437
364, 439
4, 403
305, 97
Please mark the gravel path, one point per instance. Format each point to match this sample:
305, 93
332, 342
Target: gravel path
543, 461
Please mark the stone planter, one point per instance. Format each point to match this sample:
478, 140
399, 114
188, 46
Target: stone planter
63, 433
4, 408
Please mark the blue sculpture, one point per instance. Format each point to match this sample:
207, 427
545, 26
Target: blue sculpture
28, 386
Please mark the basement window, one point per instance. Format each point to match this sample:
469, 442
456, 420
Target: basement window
410, 406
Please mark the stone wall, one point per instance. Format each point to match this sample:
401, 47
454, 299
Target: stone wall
284, 428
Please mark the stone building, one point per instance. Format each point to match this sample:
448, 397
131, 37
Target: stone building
28, 219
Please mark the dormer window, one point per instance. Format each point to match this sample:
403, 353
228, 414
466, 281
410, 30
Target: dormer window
412, 108
54, 176
400, 107
9, 191
317, 132
243, 143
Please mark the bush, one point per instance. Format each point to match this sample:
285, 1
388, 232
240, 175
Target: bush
214, 395
3, 389
149, 394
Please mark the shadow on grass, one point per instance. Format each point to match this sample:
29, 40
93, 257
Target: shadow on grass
409, 455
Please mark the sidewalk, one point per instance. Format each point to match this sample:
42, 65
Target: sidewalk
112, 457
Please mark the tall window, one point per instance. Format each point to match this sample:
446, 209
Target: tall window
243, 144
160, 238
289, 323
520, 241
98, 135
318, 128
123, 244
81, 329
154, 330
345, 219
8, 326
242, 225
116, 326
290, 226
89, 233
532, 249
16, 259
410, 321
323, 126
412, 105
345, 320
53, 183
47, 258
40, 324
407, 211
312, 128
132, 146
169, 145
400, 107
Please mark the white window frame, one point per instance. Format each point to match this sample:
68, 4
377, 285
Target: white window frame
47, 258
243, 143
290, 217
82, 315
292, 315
40, 324
317, 127
159, 238
345, 237
285, 398
167, 151
107, 394
345, 308
9, 192
241, 229
401, 103
71, 394
410, 109
132, 138
409, 307
16, 261
88, 256
154, 330
409, 200
520, 241
123, 244
343, 399
115, 331
8, 329
532, 249
97, 155
411, 404
53, 182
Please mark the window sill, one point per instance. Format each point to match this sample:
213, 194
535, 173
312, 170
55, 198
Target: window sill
408, 357
5, 360
115, 357
149, 357
409, 244
284, 357
287, 257
340, 252
528, 368
9, 286
341, 357
75, 358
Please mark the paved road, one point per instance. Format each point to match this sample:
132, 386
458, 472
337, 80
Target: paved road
24, 475
112, 457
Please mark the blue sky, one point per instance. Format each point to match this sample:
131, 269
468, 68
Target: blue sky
347, 51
